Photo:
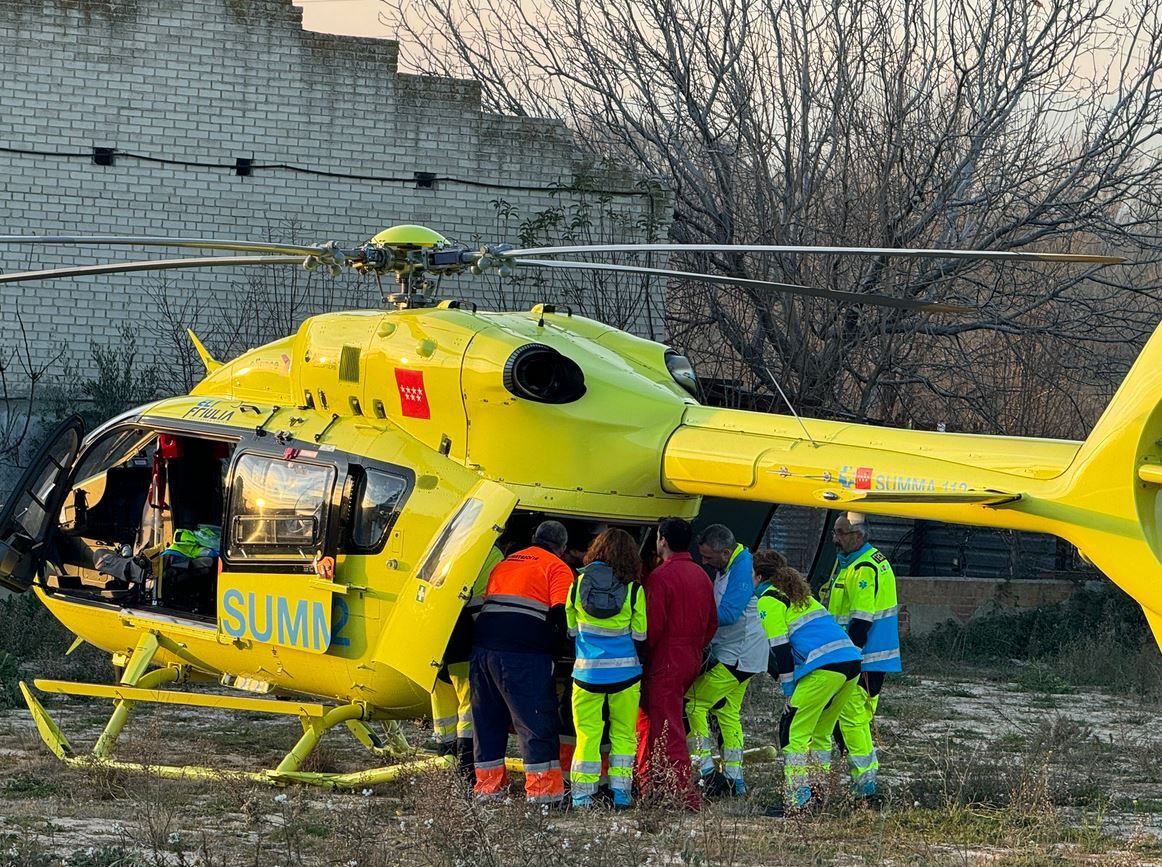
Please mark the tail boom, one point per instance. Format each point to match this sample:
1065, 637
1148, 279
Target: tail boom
1104, 495
963, 478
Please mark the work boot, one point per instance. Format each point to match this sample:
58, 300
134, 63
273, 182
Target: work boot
715, 784
582, 802
465, 763
794, 802
865, 786
622, 799
739, 787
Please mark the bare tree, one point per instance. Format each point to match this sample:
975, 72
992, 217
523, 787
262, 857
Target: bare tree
851, 122
584, 214
22, 377
257, 307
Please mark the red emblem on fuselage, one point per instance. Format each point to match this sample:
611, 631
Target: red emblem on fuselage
413, 399
863, 478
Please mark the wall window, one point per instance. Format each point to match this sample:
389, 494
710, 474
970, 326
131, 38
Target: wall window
278, 506
377, 505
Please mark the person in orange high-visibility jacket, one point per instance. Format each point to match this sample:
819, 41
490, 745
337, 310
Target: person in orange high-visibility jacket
518, 633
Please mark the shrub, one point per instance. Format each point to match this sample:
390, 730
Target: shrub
1099, 636
32, 641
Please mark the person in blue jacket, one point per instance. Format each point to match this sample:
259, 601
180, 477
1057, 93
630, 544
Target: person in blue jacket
816, 664
737, 652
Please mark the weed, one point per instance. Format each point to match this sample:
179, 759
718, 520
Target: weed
104, 783
1043, 678
19, 851
30, 784
32, 640
1011, 741
104, 856
120, 382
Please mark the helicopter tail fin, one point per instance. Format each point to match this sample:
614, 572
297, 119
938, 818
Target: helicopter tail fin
211, 363
1155, 621
1113, 495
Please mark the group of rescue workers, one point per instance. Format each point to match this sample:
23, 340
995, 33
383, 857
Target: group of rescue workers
654, 657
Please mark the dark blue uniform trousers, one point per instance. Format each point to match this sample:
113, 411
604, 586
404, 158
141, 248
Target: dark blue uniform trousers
512, 687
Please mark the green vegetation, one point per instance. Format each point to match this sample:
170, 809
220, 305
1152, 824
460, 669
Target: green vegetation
119, 382
33, 644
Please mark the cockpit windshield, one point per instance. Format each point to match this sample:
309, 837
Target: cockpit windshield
113, 451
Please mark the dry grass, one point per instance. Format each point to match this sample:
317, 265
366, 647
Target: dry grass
974, 772
997, 762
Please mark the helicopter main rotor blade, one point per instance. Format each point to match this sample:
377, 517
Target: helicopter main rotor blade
153, 241
155, 265
1022, 256
791, 288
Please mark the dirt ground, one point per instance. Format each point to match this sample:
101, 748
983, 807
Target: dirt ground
975, 770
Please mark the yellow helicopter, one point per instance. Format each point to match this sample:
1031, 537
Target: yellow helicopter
338, 490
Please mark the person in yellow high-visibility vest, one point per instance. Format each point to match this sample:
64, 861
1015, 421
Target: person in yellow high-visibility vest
451, 697
606, 615
815, 663
862, 597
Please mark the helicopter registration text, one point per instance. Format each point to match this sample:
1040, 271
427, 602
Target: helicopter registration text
866, 479
301, 623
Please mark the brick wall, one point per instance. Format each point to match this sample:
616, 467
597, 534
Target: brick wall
208, 81
927, 602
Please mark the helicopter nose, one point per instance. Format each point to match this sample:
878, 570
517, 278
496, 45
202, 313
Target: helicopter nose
542, 374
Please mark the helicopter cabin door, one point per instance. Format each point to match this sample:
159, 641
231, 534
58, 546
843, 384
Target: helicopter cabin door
30, 516
433, 596
279, 523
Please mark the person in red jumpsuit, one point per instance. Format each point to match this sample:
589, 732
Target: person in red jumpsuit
682, 620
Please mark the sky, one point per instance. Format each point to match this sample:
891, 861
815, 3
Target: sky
348, 17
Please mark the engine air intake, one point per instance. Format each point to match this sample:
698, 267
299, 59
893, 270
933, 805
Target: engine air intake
542, 374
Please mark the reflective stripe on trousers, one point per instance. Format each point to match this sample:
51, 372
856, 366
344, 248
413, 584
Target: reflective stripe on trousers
458, 674
589, 713
816, 704
491, 779
719, 692
444, 707
511, 688
855, 719
544, 783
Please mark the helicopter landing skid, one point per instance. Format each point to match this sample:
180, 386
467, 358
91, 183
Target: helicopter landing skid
140, 685
316, 719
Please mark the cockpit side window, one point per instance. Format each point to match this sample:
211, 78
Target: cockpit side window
279, 506
378, 498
